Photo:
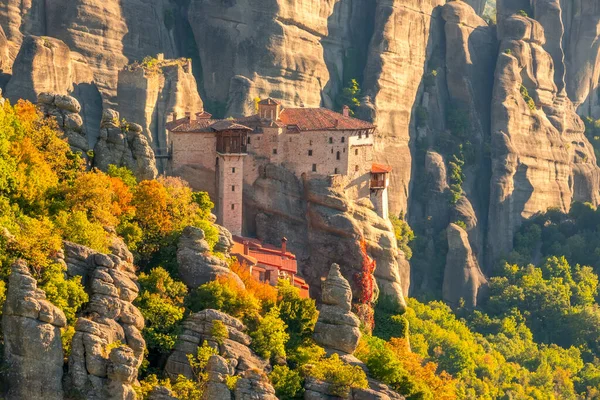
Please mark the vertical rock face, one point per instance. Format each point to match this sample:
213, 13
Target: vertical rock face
99, 366
404, 31
124, 144
46, 65
463, 279
150, 95
337, 327
33, 352
110, 34
540, 156
42, 65
294, 51
323, 226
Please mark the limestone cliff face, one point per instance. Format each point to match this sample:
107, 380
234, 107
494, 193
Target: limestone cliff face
150, 95
323, 227
463, 279
540, 157
397, 61
47, 65
293, 51
31, 327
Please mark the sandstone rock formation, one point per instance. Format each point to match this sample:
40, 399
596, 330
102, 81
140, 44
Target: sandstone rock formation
317, 390
323, 226
123, 144
46, 65
196, 264
540, 156
65, 109
111, 34
108, 347
31, 326
463, 279
150, 94
395, 68
337, 327
197, 329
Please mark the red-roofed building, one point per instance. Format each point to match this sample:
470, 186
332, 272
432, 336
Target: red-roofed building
309, 142
267, 263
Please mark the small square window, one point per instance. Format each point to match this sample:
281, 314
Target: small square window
330, 140
331, 151
233, 188
248, 140
310, 152
356, 152
356, 167
310, 143
233, 170
274, 151
233, 206
335, 171
314, 167
343, 139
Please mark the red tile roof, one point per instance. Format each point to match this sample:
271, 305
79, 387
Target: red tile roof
320, 119
381, 169
299, 119
265, 254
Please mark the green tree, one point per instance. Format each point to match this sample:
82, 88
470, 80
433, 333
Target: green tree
270, 336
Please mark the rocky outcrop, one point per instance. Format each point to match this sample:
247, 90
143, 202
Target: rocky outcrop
196, 264
254, 385
337, 327
108, 347
47, 65
65, 110
197, 329
403, 40
151, 94
33, 352
111, 34
323, 226
540, 156
294, 51
317, 390
217, 370
123, 144
464, 282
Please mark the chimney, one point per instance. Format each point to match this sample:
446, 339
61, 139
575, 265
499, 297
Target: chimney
174, 116
283, 245
346, 111
246, 247
188, 115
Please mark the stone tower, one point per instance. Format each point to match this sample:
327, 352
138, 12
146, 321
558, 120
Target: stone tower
231, 150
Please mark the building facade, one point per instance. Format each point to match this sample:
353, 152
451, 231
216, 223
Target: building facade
310, 142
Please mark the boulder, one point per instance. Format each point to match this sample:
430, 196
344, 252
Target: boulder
65, 110
123, 144
196, 264
337, 327
33, 352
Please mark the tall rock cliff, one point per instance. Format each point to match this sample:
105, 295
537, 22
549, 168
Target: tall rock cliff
150, 93
540, 156
31, 328
323, 226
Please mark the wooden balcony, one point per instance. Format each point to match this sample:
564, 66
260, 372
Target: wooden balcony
377, 183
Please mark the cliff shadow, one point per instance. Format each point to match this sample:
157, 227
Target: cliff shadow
91, 109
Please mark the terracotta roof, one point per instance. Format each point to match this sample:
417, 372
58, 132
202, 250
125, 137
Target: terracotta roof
265, 254
228, 124
269, 101
381, 169
319, 119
